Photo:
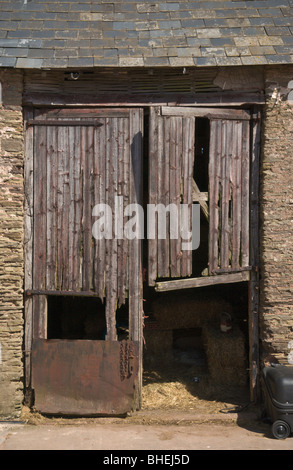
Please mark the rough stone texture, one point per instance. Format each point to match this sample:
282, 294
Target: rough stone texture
11, 244
276, 301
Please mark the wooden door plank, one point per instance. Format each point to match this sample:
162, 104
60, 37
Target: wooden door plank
214, 180
122, 192
100, 157
211, 113
235, 176
187, 184
245, 189
111, 253
87, 164
225, 181
135, 192
135, 245
190, 283
40, 209
153, 192
163, 153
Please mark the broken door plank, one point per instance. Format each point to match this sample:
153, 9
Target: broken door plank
214, 113
202, 281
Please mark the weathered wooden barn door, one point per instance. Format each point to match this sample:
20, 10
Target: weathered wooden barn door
227, 203
230, 205
229, 195
83, 166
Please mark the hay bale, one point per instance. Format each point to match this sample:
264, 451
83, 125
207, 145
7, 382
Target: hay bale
173, 311
226, 355
158, 345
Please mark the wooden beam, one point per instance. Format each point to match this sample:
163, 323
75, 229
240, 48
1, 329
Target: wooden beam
202, 281
31, 292
205, 112
55, 122
143, 99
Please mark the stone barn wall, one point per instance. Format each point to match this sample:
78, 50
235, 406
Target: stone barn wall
276, 288
276, 247
11, 244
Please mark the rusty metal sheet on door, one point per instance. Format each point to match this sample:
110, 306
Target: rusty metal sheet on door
83, 377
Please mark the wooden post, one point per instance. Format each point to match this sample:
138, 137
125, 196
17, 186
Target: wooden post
28, 243
135, 245
253, 299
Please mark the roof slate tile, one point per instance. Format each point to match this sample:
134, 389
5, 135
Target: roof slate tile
82, 33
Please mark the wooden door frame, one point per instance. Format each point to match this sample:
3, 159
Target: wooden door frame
253, 282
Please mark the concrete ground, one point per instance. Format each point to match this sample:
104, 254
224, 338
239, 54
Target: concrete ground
147, 431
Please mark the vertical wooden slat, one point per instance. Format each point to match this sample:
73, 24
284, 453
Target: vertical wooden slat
96, 200
214, 179
77, 223
66, 223
110, 308
135, 245
71, 208
153, 185
50, 211
245, 187
101, 166
122, 243
40, 209
235, 176
135, 192
187, 179
40, 316
60, 207
111, 279
87, 158
225, 181
162, 154
126, 196
175, 190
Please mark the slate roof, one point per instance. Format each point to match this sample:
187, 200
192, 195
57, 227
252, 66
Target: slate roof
84, 33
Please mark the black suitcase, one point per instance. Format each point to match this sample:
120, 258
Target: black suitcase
277, 382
